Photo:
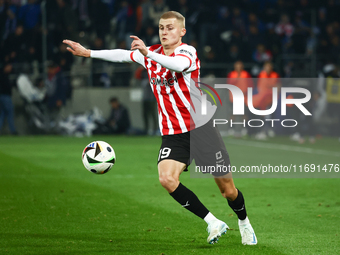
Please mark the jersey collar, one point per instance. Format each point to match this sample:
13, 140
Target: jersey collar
173, 54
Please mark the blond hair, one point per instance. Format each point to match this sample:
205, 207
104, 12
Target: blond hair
173, 14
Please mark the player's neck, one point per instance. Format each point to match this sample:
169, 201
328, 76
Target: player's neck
169, 49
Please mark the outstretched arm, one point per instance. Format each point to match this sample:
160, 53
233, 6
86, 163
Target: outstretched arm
109, 55
177, 63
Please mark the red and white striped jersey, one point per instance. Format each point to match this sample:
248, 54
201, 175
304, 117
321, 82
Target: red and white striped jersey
173, 91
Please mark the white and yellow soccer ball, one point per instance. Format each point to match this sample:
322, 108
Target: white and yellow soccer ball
98, 157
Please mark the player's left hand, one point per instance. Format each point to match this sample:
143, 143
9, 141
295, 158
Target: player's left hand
138, 44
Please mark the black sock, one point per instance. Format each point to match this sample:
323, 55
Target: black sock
239, 206
189, 201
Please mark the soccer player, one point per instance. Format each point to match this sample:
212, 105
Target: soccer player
267, 80
170, 66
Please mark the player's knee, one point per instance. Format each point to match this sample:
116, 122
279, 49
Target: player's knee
229, 194
167, 180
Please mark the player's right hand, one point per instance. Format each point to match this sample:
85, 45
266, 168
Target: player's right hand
77, 49
138, 44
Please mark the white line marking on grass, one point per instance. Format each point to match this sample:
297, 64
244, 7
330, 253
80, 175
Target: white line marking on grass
283, 147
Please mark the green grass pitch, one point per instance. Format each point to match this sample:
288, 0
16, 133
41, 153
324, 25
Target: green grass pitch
49, 203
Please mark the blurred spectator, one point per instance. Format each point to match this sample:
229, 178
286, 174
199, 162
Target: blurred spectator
207, 28
54, 29
100, 18
253, 20
288, 69
333, 9
118, 122
21, 46
111, 6
3, 10
30, 14
34, 46
8, 17
15, 47
234, 43
243, 80
224, 20
126, 21
270, 12
300, 35
238, 20
33, 94
98, 68
325, 41
156, 10
81, 8
284, 27
234, 54
267, 79
261, 54
63, 58
272, 40
237, 39
301, 7
66, 20
254, 38
30, 17
6, 105
306, 125
322, 19
210, 57
334, 50
332, 88
149, 104
301, 26
240, 78
142, 15
28, 91
62, 23
151, 37
267, 73
58, 89
330, 31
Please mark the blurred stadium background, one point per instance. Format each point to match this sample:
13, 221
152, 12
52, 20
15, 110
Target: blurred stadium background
52, 88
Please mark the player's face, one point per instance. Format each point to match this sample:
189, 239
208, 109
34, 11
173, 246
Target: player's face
170, 32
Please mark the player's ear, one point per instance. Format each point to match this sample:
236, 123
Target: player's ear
183, 31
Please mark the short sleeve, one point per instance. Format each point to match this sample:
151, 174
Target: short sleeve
190, 53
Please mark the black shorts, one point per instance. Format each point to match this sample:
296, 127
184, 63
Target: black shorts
204, 144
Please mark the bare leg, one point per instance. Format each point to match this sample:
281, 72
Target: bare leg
227, 187
169, 171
